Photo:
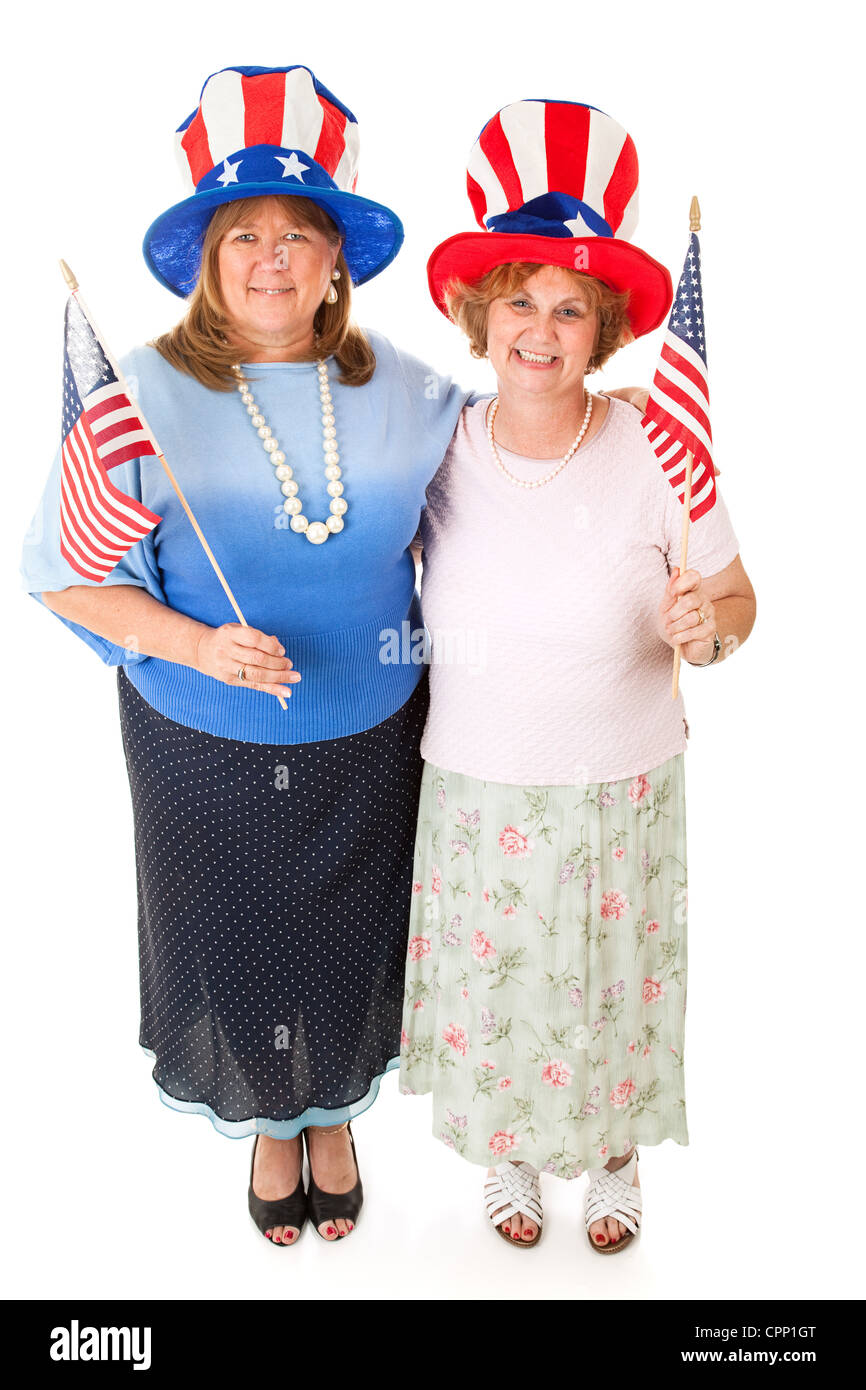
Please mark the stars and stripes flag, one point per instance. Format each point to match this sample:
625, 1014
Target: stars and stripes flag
101, 428
677, 418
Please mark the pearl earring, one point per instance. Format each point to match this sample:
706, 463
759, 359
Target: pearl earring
331, 296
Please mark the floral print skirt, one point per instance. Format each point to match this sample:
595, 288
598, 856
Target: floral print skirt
546, 976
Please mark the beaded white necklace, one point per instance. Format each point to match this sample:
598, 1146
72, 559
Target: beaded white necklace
315, 531
535, 482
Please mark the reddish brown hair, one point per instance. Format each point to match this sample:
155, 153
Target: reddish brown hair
468, 306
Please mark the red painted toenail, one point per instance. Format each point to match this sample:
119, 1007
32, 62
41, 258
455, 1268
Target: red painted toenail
332, 1230
507, 1230
600, 1240
289, 1235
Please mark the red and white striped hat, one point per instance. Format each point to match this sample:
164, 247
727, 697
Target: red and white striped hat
263, 131
555, 183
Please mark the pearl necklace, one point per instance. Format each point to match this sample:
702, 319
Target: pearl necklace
536, 482
315, 531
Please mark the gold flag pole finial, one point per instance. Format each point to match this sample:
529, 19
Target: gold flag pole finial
695, 216
69, 277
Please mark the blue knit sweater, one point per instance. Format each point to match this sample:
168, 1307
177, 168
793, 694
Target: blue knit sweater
333, 605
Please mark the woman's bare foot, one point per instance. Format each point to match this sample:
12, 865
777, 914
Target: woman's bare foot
609, 1230
276, 1172
333, 1164
517, 1227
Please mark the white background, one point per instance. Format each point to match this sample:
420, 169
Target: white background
750, 106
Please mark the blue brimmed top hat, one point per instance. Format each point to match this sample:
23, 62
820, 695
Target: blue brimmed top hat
263, 131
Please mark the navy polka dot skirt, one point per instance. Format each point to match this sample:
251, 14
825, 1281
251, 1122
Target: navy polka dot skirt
274, 884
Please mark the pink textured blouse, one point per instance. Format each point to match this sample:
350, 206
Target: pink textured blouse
545, 663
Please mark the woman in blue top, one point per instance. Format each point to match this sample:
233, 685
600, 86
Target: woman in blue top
273, 846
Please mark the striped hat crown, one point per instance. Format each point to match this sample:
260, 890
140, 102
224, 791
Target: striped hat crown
261, 125
555, 169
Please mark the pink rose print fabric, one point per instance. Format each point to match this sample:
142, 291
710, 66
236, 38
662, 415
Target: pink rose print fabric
546, 967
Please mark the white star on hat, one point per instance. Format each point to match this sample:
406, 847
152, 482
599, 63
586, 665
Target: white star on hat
292, 167
577, 226
229, 173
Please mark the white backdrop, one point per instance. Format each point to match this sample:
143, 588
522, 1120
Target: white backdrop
751, 107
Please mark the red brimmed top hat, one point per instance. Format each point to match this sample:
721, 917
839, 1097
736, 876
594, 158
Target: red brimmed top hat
263, 131
555, 183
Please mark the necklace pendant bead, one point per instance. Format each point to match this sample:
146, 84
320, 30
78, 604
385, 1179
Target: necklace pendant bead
317, 532
299, 522
334, 523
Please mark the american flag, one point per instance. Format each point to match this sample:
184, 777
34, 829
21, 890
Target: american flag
101, 428
677, 415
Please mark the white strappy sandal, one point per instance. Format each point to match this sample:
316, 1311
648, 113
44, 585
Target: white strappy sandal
612, 1194
516, 1189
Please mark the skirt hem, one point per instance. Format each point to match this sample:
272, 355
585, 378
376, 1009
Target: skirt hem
548, 1163
275, 1129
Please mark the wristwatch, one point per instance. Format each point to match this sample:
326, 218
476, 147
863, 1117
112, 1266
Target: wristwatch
717, 647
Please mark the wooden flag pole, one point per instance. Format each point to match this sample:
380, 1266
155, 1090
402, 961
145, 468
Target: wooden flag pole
694, 226
684, 550
73, 287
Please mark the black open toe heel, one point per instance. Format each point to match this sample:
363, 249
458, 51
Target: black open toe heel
328, 1206
287, 1211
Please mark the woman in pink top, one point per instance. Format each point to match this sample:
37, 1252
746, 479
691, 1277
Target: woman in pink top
546, 978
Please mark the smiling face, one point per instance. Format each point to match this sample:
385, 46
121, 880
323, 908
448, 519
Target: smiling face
274, 272
541, 337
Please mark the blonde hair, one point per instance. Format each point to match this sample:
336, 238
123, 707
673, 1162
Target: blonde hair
469, 305
198, 346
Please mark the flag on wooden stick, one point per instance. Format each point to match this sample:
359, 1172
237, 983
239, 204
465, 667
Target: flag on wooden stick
101, 428
677, 417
